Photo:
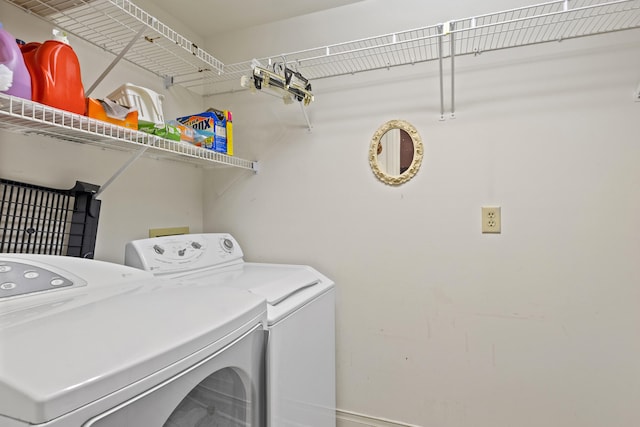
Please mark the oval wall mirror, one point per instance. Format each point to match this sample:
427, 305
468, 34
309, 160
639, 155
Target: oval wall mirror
395, 154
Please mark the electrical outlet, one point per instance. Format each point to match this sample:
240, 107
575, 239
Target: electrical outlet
491, 219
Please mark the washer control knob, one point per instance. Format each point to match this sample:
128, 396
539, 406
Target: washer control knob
227, 244
196, 245
7, 286
5, 268
158, 249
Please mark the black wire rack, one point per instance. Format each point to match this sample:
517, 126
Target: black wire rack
42, 220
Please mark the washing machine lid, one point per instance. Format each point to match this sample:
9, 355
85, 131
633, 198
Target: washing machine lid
285, 287
64, 349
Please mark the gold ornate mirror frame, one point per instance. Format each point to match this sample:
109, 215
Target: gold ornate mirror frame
376, 148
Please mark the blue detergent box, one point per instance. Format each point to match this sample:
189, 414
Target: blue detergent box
211, 126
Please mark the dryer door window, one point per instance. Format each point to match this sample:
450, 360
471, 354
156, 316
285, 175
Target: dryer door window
224, 390
219, 400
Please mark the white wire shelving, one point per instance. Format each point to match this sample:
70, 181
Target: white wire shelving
540, 23
128, 32
113, 24
31, 118
552, 21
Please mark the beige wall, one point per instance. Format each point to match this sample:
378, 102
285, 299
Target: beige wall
439, 325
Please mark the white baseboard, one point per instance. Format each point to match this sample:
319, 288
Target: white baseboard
353, 419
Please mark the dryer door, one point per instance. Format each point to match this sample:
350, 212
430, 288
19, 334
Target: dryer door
225, 389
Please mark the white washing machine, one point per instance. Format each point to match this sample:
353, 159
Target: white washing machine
300, 317
93, 344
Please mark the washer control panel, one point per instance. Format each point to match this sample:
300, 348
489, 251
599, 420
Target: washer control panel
173, 254
19, 278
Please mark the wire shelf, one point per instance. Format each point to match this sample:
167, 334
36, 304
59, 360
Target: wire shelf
31, 118
112, 24
541, 23
390, 50
546, 22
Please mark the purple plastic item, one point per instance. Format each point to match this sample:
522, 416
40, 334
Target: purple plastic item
11, 57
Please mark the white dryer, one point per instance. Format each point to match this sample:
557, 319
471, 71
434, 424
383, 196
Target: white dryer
300, 317
93, 344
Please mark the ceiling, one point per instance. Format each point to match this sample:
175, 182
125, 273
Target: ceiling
225, 16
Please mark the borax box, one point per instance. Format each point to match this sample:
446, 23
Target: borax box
210, 123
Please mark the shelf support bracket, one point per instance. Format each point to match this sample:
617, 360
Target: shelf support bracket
440, 28
306, 117
115, 61
119, 172
452, 44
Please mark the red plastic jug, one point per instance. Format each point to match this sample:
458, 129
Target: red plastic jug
55, 75
11, 57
